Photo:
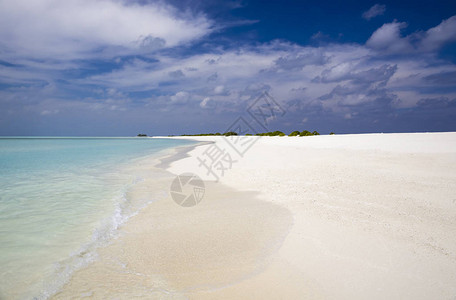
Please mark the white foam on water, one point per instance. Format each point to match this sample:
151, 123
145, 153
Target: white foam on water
72, 214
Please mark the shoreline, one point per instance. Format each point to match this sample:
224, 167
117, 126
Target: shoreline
310, 217
180, 152
61, 204
140, 237
374, 215
122, 214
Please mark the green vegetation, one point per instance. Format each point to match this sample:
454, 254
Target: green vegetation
212, 134
306, 133
271, 133
230, 133
142, 135
294, 133
332, 133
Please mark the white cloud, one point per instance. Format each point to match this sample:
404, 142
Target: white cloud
376, 10
77, 28
218, 90
299, 61
437, 36
388, 39
338, 72
349, 76
207, 103
339, 78
180, 98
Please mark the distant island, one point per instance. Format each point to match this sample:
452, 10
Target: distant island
271, 133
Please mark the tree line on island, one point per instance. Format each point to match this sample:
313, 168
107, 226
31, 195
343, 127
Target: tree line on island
271, 133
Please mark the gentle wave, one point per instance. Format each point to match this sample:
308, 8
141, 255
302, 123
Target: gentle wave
53, 216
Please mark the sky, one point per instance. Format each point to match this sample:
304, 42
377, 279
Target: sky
119, 68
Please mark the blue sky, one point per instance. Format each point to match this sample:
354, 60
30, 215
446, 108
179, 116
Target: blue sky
118, 68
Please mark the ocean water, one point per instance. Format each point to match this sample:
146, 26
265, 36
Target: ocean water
60, 198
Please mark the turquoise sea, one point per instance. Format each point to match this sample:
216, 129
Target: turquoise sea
59, 199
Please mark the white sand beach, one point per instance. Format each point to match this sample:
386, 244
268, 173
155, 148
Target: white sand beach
374, 216
368, 216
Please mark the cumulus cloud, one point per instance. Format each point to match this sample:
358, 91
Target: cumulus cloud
440, 35
342, 80
336, 73
376, 10
334, 78
180, 98
299, 61
379, 75
77, 29
389, 40
207, 103
361, 88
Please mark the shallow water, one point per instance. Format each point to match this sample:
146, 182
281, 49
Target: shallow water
60, 198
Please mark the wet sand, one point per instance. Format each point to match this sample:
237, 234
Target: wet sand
329, 217
172, 252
